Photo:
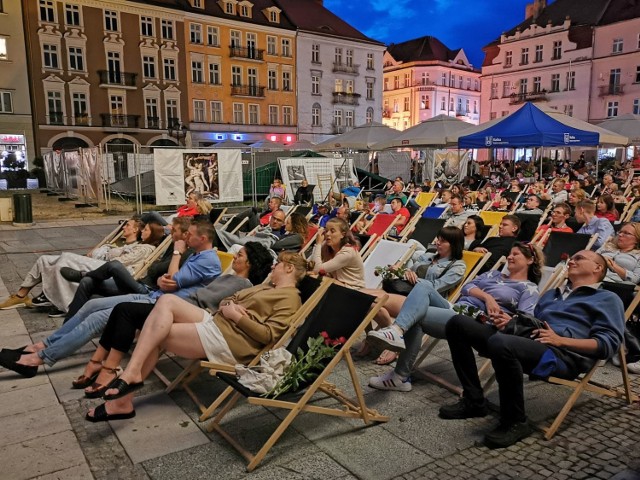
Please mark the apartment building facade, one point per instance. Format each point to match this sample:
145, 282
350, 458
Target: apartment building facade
16, 126
423, 78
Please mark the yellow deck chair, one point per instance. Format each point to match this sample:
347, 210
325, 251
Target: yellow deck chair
225, 260
424, 199
492, 218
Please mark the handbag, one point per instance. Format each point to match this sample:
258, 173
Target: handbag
400, 286
523, 325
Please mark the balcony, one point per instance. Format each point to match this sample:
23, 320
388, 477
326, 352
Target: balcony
119, 121
611, 89
343, 98
122, 79
247, 91
81, 119
516, 98
153, 122
344, 68
56, 118
338, 129
250, 53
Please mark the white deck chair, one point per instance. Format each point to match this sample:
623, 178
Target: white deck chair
386, 252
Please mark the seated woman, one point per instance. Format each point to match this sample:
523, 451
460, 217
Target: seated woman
196, 205
426, 311
244, 324
606, 208
303, 195
505, 204
473, 230
622, 254
251, 266
336, 254
56, 291
576, 196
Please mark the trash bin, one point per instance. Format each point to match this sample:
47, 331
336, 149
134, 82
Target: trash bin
22, 212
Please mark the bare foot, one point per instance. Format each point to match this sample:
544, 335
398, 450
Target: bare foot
121, 405
386, 357
30, 360
36, 347
127, 377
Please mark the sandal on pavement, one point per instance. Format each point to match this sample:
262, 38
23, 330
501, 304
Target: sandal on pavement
123, 388
100, 415
98, 389
386, 357
83, 381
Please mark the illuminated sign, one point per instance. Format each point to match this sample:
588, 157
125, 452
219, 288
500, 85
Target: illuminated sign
12, 139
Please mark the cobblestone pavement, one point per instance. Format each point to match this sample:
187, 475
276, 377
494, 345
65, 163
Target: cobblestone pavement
599, 439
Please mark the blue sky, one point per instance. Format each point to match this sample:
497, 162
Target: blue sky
457, 23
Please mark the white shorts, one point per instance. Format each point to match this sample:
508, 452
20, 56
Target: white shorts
213, 342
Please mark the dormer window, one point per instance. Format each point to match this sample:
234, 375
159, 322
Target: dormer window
228, 6
197, 3
245, 9
272, 14
273, 17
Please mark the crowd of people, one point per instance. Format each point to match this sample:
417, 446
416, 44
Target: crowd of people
187, 305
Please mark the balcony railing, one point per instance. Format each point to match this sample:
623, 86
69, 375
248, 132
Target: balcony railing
121, 121
56, 118
611, 89
516, 98
344, 68
124, 79
81, 119
247, 91
346, 98
251, 53
153, 122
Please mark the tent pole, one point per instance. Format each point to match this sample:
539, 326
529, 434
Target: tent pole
254, 182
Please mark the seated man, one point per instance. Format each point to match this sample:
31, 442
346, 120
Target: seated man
397, 191
456, 215
267, 235
198, 271
583, 324
274, 205
558, 192
586, 214
501, 245
321, 215
531, 205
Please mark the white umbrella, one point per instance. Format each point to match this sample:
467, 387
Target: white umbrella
430, 133
229, 143
266, 145
363, 137
627, 125
301, 145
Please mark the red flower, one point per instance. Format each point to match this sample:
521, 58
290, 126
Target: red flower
564, 257
322, 272
324, 335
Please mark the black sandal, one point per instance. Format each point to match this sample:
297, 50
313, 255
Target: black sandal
98, 389
123, 388
100, 415
83, 381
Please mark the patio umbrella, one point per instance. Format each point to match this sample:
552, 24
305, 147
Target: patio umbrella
229, 143
430, 133
363, 137
627, 125
266, 145
301, 145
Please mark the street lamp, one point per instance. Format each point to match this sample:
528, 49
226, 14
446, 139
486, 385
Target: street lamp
178, 130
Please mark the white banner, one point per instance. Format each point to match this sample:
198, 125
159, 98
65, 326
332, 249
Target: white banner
217, 174
324, 173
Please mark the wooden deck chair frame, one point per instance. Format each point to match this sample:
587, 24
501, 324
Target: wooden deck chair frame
353, 408
222, 213
400, 254
409, 226
158, 252
309, 243
196, 367
111, 237
324, 178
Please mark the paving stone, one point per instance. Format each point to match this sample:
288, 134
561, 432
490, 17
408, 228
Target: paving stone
80, 472
27, 399
33, 424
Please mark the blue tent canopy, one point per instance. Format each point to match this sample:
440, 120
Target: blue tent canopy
528, 127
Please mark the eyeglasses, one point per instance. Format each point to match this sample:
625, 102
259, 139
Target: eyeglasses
622, 232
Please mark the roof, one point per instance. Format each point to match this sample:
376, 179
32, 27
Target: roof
423, 48
312, 16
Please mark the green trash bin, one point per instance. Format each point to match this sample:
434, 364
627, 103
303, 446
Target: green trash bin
22, 211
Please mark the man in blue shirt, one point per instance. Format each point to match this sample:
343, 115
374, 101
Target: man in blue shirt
198, 270
585, 214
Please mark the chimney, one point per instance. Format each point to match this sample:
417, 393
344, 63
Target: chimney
534, 9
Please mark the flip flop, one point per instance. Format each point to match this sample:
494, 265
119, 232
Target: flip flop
100, 415
386, 357
123, 388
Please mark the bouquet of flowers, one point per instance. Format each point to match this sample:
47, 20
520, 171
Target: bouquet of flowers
389, 272
306, 366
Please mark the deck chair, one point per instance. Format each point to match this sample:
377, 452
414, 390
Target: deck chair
386, 252
492, 218
528, 225
312, 233
216, 215
226, 259
342, 312
425, 230
561, 243
379, 225
304, 210
112, 236
311, 291
157, 253
425, 199
433, 212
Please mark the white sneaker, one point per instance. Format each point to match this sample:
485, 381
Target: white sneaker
615, 360
388, 338
633, 367
391, 381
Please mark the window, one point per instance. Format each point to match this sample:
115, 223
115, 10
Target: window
273, 17
254, 114
47, 11
349, 85
216, 112
169, 69
407, 79
508, 58
113, 66
617, 45
443, 79
386, 84
348, 118
524, 56
459, 105
79, 104
315, 53
273, 115
370, 61
236, 39
493, 115
238, 113
197, 75
167, 29
442, 104
195, 33
148, 66
228, 8
369, 115
538, 53
286, 47
337, 118
571, 80
349, 57
637, 74
6, 104
315, 85
452, 80
396, 82
506, 88
451, 103
214, 73
338, 85
537, 84
468, 83
337, 56
424, 102
555, 82
197, 3
475, 106
287, 115
111, 20
252, 77
524, 86
396, 109
316, 115
406, 104
557, 50
494, 91
171, 105
198, 111
636, 106
286, 81
213, 36
369, 90
612, 109
244, 11
236, 76
151, 112
54, 105
146, 26
460, 81
50, 56
3, 49
272, 80
272, 49
76, 59
72, 15
466, 109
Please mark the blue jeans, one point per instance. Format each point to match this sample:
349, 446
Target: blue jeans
424, 311
83, 326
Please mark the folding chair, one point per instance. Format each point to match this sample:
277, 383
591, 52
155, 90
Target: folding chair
153, 256
312, 233
111, 237
386, 252
216, 215
492, 218
425, 230
380, 225
311, 291
564, 243
226, 259
343, 312
425, 199
433, 212
528, 225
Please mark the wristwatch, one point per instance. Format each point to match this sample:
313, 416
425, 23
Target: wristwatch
177, 252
